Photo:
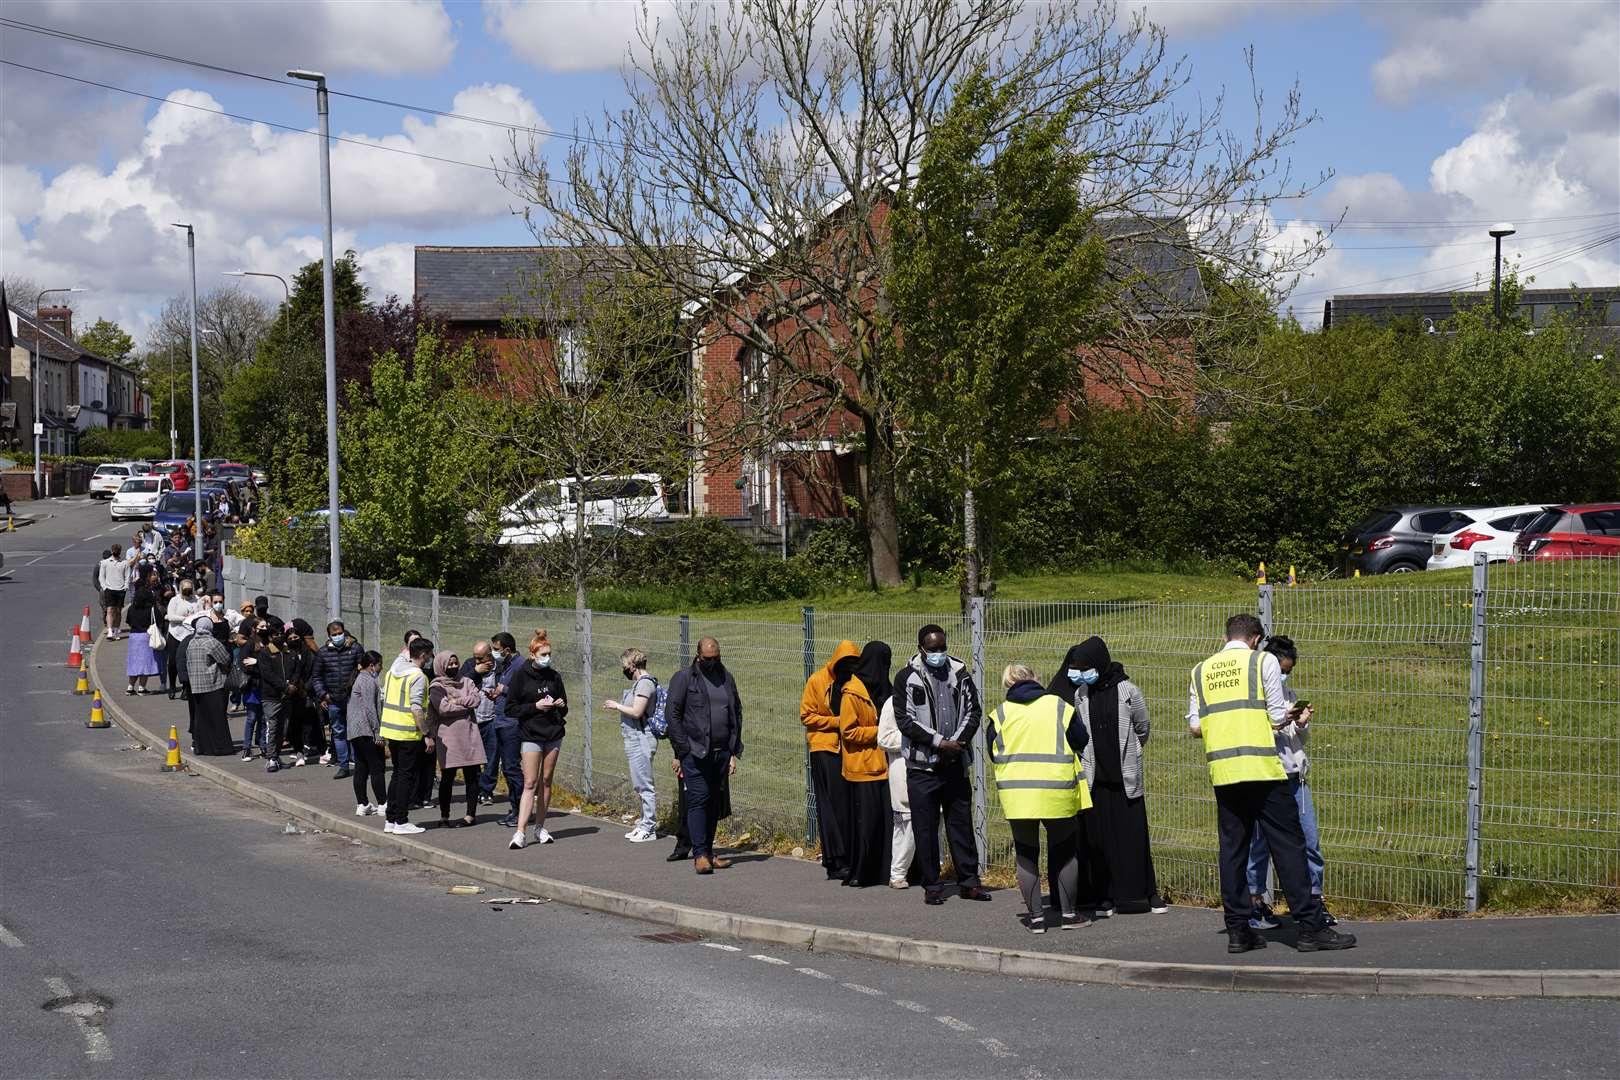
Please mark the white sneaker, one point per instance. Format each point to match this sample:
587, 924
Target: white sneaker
543, 837
326, 758
1105, 913
298, 762
361, 810
408, 829
374, 809
247, 757
388, 826
641, 836
519, 841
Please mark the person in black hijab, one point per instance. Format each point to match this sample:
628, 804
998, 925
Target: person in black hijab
1116, 865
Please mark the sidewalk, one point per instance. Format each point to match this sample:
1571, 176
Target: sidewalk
1184, 947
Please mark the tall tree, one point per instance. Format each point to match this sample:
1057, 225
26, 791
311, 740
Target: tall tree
764, 140
996, 280
107, 340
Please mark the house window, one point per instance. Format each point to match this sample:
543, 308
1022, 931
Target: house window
571, 359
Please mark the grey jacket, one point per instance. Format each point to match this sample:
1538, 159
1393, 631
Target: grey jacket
920, 734
1133, 732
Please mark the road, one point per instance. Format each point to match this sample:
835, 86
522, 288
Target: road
180, 933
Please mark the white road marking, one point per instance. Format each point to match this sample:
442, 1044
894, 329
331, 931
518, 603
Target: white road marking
86, 540
954, 1024
723, 948
914, 1006
10, 940
96, 1045
859, 989
997, 1048
762, 958
813, 973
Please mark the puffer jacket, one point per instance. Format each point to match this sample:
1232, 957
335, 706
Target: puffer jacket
332, 670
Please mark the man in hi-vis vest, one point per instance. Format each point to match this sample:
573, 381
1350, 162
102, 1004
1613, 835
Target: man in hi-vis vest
404, 727
1235, 698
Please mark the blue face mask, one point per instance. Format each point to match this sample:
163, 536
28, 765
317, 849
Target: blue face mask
497, 654
1088, 676
936, 659
339, 639
1285, 676
1075, 674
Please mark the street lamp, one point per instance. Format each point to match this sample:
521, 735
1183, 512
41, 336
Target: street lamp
196, 415
286, 306
1499, 230
39, 423
334, 587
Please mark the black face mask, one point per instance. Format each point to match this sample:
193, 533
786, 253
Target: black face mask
630, 673
709, 665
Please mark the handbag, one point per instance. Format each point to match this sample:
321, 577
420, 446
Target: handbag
236, 678
154, 637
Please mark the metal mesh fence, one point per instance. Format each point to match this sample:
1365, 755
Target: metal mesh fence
1465, 747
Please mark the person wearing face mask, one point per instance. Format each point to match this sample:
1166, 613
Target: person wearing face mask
939, 712
272, 669
404, 726
537, 701
504, 735
304, 726
182, 609
705, 718
820, 720
208, 661
331, 679
1296, 763
452, 705
636, 709
1116, 860
141, 663
858, 693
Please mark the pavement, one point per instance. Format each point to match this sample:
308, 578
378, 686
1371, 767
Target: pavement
1185, 947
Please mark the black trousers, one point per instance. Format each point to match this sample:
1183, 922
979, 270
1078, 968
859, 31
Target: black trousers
368, 765
1269, 806
426, 764
447, 788
833, 811
946, 792
408, 754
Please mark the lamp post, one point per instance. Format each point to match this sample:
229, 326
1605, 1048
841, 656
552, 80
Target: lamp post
174, 433
286, 306
196, 414
334, 587
1499, 230
39, 423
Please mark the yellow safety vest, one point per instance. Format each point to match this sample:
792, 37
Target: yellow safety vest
1037, 774
1239, 743
397, 721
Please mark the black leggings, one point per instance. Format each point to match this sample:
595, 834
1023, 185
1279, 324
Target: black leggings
447, 788
368, 762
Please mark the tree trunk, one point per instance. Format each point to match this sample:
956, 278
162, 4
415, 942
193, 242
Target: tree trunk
580, 540
882, 514
970, 536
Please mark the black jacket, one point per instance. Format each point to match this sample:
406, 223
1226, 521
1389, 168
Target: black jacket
333, 670
686, 708
529, 686
274, 671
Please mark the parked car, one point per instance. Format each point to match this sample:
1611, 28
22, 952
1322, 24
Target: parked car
260, 476
138, 497
211, 464
1491, 530
229, 470
1571, 532
547, 512
177, 471
177, 507
1394, 539
110, 476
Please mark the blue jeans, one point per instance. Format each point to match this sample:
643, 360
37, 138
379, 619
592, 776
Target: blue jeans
1260, 854
703, 776
501, 745
337, 714
253, 726
639, 748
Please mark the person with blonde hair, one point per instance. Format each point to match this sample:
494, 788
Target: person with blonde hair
636, 711
539, 704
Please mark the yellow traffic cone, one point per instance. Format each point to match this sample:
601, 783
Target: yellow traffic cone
83, 685
1292, 577
1262, 580
98, 719
1358, 571
9, 526
172, 762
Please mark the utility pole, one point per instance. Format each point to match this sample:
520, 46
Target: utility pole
334, 587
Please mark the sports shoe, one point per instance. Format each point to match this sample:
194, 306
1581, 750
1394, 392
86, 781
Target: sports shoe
975, 892
343, 774
642, 836
1326, 938
1157, 905
1327, 917
374, 810
1105, 912
388, 826
247, 757
408, 829
1247, 940
361, 810
1037, 925
326, 758
1073, 921
274, 766
486, 800
519, 841
1262, 917
898, 885
298, 762
510, 821
543, 837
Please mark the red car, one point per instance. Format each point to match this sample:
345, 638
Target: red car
1571, 532
177, 471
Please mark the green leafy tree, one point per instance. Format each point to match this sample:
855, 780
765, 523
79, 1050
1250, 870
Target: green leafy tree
995, 283
107, 340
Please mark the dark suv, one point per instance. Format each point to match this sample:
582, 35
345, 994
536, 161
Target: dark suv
1393, 539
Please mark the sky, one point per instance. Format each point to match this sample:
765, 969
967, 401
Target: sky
1435, 120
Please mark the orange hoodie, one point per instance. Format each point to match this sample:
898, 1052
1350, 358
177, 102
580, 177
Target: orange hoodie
863, 760
815, 713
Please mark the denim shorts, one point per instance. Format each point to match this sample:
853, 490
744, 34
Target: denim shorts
541, 748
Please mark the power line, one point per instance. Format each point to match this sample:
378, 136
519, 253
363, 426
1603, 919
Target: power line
1396, 224
1541, 261
1458, 243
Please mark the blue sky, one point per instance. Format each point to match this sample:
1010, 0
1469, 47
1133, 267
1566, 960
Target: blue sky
1446, 114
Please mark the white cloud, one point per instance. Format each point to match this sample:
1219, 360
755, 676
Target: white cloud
568, 35
1188, 18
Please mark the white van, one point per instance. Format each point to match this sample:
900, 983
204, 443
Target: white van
548, 512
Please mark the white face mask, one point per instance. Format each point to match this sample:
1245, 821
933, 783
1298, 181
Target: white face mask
542, 661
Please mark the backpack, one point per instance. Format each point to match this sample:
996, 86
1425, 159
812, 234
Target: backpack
654, 718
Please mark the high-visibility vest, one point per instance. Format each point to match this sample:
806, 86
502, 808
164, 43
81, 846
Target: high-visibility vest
1239, 743
1037, 774
397, 722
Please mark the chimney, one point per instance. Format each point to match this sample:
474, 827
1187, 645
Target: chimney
59, 319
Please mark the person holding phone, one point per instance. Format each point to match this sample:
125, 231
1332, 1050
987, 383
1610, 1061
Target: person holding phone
537, 701
1291, 735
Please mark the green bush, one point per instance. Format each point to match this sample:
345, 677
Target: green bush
105, 444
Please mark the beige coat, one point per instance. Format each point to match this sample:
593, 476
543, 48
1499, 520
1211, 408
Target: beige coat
889, 738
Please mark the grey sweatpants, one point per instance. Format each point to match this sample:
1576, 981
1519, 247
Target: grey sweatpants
1061, 834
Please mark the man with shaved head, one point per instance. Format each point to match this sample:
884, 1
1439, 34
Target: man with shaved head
705, 731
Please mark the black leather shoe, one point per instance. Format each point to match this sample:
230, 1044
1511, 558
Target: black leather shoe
342, 774
933, 899
680, 854
1243, 941
1325, 939
976, 892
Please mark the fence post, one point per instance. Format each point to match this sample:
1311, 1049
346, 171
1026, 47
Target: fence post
433, 621
810, 823
981, 808
585, 661
1476, 731
506, 616
376, 616
686, 641
1267, 615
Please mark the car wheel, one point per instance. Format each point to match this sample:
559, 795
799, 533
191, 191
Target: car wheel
1402, 568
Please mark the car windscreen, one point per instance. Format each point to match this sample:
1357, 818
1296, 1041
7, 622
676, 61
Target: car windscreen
1377, 521
139, 487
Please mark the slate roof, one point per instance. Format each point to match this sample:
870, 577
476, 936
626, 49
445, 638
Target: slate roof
1158, 261
488, 284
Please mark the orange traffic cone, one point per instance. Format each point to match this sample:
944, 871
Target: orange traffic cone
83, 685
172, 762
84, 627
75, 654
98, 719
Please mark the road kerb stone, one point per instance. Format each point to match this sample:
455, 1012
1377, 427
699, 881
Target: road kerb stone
830, 939
1059, 966
1286, 980
951, 954
1184, 976
1453, 983
1591, 984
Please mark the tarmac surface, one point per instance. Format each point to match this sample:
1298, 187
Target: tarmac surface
174, 930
